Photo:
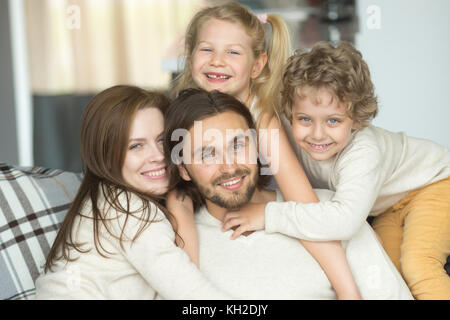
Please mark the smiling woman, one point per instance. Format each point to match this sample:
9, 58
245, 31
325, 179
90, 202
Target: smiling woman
118, 211
144, 165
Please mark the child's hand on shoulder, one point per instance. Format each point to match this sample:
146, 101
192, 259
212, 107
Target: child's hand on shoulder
177, 204
248, 218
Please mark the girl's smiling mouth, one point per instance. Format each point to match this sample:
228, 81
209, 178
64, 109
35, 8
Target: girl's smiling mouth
216, 77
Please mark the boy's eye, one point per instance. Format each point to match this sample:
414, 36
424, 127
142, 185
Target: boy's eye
333, 121
233, 52
206, 49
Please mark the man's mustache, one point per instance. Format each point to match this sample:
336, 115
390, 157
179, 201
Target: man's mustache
227, 176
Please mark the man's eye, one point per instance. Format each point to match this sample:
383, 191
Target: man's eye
208, 154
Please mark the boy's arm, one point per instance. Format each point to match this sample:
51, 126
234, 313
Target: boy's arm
336, 217
295, 186
183, 211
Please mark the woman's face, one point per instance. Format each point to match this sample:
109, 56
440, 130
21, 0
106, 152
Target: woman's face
144, 167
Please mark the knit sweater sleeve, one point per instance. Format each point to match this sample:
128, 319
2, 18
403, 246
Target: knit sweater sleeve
358, 182
166, 267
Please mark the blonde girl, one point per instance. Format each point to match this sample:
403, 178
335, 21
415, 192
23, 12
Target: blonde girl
225, 49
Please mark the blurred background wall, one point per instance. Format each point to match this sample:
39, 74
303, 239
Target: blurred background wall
8, 137
65, 51
408, 53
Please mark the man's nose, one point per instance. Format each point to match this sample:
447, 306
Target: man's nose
229, 163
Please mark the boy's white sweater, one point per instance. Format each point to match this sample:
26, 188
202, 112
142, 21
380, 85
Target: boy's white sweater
373, 172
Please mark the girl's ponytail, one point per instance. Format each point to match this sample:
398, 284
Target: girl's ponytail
267, 86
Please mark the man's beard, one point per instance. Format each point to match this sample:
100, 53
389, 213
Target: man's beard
237, 198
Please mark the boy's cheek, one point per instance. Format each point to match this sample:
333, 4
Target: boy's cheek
297, 131
298, 134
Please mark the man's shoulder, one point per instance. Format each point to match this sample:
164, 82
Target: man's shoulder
271, 195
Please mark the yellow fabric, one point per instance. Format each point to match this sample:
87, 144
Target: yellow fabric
416, 235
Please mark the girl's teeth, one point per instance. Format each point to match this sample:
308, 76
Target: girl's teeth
231, 182
213, 76
156, 173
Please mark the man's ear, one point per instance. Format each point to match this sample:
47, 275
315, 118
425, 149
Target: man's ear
183, 172
258, 65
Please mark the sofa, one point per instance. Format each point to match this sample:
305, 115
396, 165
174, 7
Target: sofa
33, 203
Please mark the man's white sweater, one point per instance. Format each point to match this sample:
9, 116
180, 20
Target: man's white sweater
275, 266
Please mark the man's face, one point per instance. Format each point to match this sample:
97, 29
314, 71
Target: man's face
228, 171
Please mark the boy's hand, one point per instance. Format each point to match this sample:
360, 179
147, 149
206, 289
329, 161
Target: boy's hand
249, 218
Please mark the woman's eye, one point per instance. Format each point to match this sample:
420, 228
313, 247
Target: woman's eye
135, 146
233, 52
304, 119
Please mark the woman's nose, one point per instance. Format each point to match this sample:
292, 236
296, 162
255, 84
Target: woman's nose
155, 154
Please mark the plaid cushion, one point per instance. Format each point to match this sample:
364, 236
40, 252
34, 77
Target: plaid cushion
33, 202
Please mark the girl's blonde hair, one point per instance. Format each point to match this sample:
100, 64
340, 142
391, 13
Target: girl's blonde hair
266, 86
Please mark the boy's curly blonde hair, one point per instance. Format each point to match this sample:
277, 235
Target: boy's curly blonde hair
340, 70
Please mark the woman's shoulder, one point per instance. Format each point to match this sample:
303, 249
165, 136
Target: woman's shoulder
126, 209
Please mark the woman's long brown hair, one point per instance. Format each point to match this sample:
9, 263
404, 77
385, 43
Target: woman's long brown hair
105, 128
